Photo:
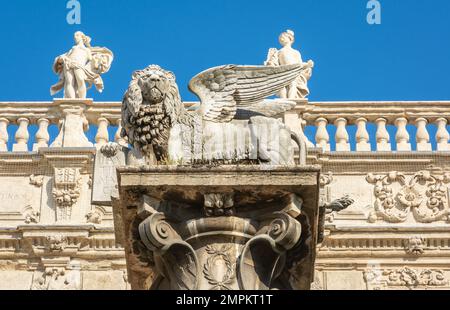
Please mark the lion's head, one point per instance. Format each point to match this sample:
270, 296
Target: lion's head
155, 84
151, 106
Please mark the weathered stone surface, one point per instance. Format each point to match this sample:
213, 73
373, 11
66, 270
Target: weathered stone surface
345, 280
201, 219
107, 160
15, 280
158, 126
104, 280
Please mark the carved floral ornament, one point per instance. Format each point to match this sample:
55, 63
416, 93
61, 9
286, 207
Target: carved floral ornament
425, 196
66, 191
405, 277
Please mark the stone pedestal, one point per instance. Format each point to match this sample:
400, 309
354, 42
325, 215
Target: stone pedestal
73, 123
230, 227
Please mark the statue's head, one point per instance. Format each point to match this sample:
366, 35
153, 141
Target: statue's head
81, 37
155, 83
287, 37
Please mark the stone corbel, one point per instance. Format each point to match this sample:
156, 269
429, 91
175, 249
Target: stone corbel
250, 232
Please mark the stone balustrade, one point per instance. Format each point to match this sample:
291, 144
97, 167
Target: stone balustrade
101, 115
336, 117
378, 126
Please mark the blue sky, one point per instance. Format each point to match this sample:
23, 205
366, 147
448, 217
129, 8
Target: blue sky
407, 57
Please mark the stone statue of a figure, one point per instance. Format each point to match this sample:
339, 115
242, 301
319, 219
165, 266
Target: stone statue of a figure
289, 56
82, 65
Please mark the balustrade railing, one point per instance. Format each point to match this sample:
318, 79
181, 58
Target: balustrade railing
338, 126
407, 121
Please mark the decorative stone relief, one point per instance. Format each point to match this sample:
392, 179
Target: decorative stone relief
405, 277
327, 210
425, 195
326, 179
219, 204
31, 216
225, 263
57, 278
107, 159
111, 149
66, 191
216, 254
415, 245
56, 243
96, 215
37, 181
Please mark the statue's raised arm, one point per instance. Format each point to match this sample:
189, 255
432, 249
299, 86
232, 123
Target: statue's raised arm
82, 65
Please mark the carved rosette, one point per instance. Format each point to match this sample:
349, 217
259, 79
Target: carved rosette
66, 191
425, 196
217, 251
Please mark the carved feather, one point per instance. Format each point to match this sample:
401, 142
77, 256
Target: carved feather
222, 90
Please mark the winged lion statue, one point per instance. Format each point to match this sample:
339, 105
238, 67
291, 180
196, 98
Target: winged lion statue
234, 122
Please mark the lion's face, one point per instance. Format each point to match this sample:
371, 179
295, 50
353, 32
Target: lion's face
154, 85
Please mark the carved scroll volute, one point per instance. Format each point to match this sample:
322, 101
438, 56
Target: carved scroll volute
175, 259
263, 258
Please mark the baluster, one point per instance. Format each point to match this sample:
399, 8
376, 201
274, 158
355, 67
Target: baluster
102, 136
322, 136
362, 136
442, 135
42, 136
422, 135
342, 137
402, 136
4, 137
118, 138
383, 138
22, 136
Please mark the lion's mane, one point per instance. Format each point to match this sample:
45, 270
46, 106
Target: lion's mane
147, 125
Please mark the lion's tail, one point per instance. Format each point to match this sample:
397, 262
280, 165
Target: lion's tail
301, 146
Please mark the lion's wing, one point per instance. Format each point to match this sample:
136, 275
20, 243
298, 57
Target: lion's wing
223, 89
